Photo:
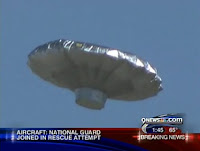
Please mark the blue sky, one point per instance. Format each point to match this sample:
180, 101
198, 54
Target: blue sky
165, 33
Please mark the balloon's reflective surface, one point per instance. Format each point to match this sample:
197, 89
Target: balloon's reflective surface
94, 72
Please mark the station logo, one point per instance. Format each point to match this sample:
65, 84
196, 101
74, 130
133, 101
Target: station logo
162, 127
158, 124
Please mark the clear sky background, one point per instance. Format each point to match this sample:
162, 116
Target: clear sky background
165, 33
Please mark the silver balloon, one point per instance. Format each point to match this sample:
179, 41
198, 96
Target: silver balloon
94, 72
